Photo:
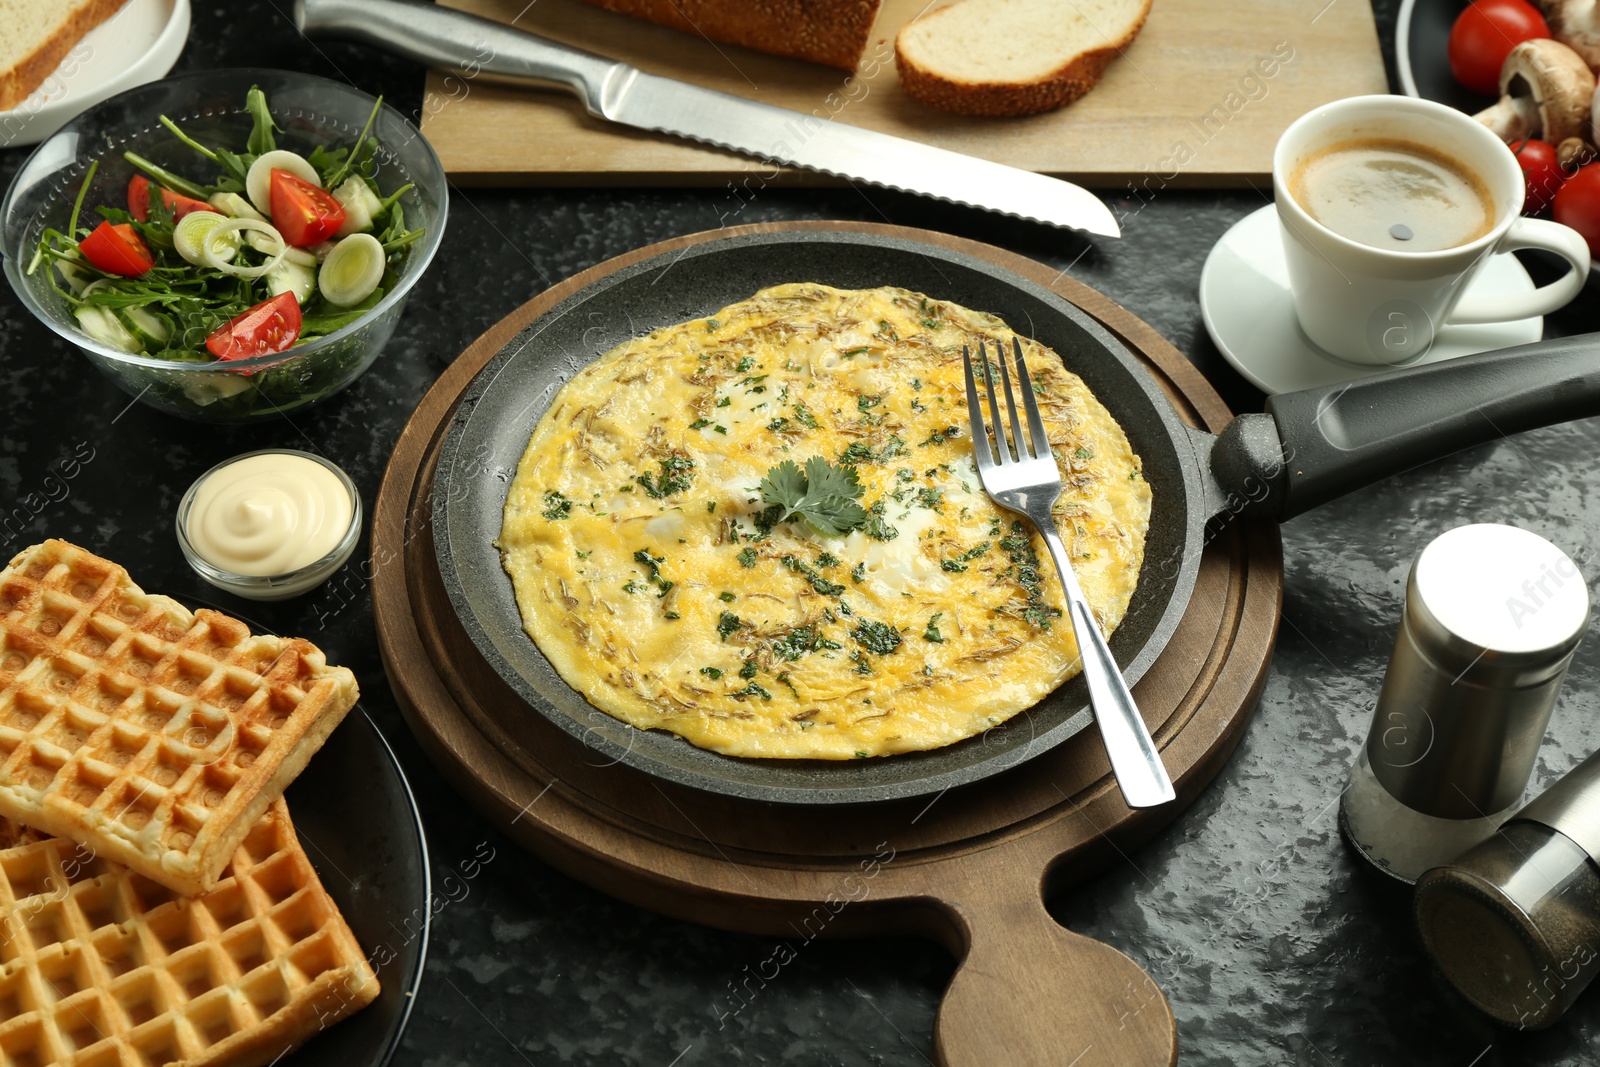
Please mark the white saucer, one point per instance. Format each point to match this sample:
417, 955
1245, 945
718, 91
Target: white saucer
138, 44
1249, 313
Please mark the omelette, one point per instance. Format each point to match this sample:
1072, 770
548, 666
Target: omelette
764, 531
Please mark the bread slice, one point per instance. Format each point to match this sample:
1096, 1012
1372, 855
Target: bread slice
38, 35
833, 32
1013, 57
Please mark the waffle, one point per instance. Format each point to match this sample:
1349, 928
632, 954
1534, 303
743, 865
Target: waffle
155, 736
103, 967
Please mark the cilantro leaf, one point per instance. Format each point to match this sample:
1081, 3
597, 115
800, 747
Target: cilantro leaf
822, 494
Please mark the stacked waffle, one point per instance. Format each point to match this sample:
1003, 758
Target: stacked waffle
171, 917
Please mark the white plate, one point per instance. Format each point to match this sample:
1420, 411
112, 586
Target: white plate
138, 44
1249, 313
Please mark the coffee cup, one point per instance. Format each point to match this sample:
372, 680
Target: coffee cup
1384, 302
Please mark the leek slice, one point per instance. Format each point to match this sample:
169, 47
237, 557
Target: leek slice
352, 270
216, 241
190, 236
258, 182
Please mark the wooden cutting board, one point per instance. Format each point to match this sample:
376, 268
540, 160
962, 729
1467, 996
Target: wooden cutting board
969, 867
1198, 99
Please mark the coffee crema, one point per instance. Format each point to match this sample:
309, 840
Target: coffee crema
1393, 194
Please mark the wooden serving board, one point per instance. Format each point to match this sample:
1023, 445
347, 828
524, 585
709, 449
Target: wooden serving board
969, 868
1190, 103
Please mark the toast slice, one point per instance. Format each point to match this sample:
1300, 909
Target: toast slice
1013, 57
833, 32
38, 35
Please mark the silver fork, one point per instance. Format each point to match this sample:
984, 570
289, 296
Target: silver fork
1028, 483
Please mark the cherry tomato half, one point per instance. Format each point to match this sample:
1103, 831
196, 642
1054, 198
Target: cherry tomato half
117, 249
1578, 205
177, 203
1540, 171
270, 326
303, 213
1484, 34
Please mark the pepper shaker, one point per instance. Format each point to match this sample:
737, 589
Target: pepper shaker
1492, 617
1514, 923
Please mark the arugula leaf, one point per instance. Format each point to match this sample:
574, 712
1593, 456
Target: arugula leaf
261, 140
823, 495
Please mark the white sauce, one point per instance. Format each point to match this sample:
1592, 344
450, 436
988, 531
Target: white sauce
268, 514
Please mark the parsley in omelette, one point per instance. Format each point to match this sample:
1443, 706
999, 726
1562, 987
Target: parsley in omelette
681, 576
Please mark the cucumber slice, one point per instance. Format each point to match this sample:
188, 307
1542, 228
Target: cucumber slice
216, 385
268, 247
290, 276
236, 207
151, 330
104, 327
77, 280
360, 204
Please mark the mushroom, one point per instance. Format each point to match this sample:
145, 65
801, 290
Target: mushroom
1576, 24
1573, 153
1545, 91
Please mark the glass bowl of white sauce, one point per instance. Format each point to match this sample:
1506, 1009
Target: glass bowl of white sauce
270, 525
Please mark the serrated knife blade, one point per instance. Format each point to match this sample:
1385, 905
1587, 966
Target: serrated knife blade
615, 91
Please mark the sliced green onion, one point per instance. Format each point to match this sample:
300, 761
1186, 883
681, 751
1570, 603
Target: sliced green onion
352, 270
214, 244
235, 206
189, 238
258, 183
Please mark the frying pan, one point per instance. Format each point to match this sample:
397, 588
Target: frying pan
1306, 449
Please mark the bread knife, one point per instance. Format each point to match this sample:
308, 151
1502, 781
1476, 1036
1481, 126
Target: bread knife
617, 92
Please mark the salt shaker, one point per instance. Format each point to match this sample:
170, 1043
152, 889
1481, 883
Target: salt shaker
1493, 614
1514, 923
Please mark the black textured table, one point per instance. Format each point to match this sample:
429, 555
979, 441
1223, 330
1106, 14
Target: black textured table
1274, 944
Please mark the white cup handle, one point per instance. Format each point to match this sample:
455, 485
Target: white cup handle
1551, 237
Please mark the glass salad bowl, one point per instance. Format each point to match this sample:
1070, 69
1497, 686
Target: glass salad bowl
210, 108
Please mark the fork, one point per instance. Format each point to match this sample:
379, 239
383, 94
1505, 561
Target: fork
1028, 483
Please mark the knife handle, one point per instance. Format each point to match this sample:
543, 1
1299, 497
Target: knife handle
439, 37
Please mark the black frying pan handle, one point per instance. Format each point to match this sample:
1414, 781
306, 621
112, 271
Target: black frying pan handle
1338, 438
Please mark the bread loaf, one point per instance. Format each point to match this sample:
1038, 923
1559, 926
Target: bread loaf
37, 37
822, 31
1013, 57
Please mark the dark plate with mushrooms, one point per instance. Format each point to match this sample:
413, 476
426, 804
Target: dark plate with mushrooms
1422, 53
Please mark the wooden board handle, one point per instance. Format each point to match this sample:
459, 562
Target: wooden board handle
1029, 993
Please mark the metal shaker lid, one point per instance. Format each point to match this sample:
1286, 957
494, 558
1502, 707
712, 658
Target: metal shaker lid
1496, 605
1571, 807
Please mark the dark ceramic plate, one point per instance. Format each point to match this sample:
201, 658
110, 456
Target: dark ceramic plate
1422, 35
355, 815
489, 431
359, 824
